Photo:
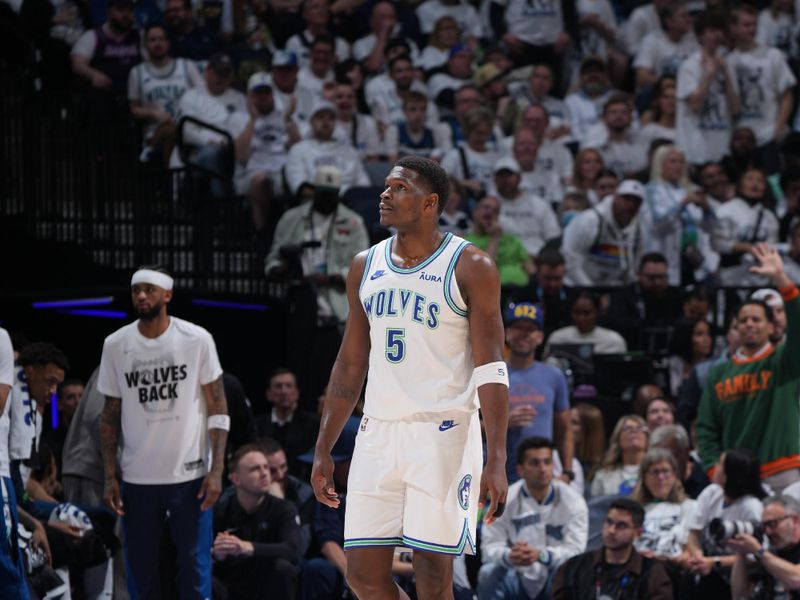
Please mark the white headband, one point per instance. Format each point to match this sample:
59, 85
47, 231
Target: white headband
162, 280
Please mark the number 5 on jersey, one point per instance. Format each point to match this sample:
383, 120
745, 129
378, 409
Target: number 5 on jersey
395, 345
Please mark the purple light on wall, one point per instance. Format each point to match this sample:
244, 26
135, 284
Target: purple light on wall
54, 411
100, 301
89, 312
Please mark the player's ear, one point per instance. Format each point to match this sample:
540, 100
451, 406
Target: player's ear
432, 202
167, 296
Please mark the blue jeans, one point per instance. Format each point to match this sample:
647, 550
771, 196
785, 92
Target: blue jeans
498, 582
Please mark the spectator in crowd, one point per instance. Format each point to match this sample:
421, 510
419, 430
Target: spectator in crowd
545, 524
605, 184
616, 568
793, 254
584, 311
735, 494
588, 434
537, 394
465, 16
312, 78
514, 264
643, 311
104, 56
456, 73
585, 105
445, 34
286, 486
790, 202
155, 87
775, 25
188, 38
689, 345
765, 84
715, 183
412, 136
774, 300
537, 92
257, 536
676, 215
453, 219
675, 439
261, 148
69, 396
751, 401
644, 393
642, 21
740, 224
742, 153
354, 128
695, 302
286, 423
466, 97
243, 425
554, 163
288, 99
522, 213
588, 163
619, 470
707, 97
776, 569
472, 163
667, 508
82, 467
493, 86
661, 123
319, 149
538, 177
386, 93
370, 50
623, 149
547, 288
172, 365
316, 16
599, 36
601, 246
658, 412
663, 50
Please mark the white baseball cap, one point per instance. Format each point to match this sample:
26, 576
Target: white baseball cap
631, 187
259, 80
771, 297
328, 178
507, 163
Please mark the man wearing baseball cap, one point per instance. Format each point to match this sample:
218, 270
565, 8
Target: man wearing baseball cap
166, 409
774, 300
537, 393
601, 246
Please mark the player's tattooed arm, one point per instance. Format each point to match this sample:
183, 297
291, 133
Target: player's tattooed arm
110, 425
340, 389
217, 404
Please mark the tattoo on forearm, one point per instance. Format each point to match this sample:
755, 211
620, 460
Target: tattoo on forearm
110, 424
217, 405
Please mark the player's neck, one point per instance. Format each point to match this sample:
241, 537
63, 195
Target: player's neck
521, 362
412, 247
152, 328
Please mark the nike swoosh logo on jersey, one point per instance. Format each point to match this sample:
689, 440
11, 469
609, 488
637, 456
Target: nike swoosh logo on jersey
447, 425
376, 274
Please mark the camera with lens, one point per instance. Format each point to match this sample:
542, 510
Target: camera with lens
291, 255
724, 529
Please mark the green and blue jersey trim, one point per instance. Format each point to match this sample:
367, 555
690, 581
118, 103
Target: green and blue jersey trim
448, 276
457, 549
388, 251
367, 542
367, 265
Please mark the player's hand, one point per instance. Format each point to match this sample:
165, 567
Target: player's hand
112, 496
322, 480
210, 490
39, 542
770, 264
494, 487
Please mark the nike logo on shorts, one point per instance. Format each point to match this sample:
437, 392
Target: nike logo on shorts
447, 425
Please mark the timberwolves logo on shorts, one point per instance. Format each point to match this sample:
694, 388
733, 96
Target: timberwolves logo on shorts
463, 491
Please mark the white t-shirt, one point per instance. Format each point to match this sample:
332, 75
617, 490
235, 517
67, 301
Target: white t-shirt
585, 112
775, 32
625, 156
610, 482
591, 42
300, 44
761, 76
642, 21
462, 12
386, 105
661, 55
480, 164
536, 22
711, 505
268, 145
366, 137
164, 414
306, 156
665, 532
702, 136
530, 219
605, 341
6, 359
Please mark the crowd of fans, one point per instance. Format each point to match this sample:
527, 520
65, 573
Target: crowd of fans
615, 158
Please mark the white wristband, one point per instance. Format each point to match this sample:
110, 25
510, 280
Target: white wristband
495, 372
219, 422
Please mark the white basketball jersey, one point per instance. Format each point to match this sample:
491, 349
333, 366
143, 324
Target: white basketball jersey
420, 359
163, 90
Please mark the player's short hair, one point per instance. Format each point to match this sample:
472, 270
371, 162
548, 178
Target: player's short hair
241, 452
551, 257
414, 97
532, 443
270, 445
280, 371
434, 176
633, 508
770, 314
40, 354
619, 98
157, 269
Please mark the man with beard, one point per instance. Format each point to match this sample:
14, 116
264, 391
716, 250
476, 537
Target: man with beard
537, 393
163, 385
104, 56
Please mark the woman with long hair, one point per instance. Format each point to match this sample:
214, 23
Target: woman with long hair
677, 217
588, 164
691, 343
588, 434
619, 470
661, 125
666, 505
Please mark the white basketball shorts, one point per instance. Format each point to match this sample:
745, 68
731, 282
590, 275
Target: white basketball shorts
415, 483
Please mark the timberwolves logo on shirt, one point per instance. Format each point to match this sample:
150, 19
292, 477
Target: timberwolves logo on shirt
156, 382
463, 491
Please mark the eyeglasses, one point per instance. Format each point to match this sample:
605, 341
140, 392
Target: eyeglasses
660, 472
618, 525
774, 522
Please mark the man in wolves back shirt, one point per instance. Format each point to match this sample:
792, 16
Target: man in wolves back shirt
751, 400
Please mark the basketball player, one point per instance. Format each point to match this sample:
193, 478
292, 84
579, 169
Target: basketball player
163, 386
425, 319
